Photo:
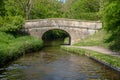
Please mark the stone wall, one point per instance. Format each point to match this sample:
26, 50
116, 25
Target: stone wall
77, 29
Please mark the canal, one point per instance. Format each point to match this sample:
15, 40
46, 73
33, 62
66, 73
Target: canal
53, 63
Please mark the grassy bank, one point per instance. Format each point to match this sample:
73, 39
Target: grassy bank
12, 47
101, 38
112, 60
98, 39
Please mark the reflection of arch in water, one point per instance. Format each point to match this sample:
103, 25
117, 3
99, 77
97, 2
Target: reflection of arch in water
67, 35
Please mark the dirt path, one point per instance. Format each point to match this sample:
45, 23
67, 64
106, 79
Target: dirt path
99, 49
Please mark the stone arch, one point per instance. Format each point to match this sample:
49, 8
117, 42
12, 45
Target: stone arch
77, 29
69, 36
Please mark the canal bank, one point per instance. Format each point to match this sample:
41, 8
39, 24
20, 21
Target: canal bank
12, 47
53, 63
105, 59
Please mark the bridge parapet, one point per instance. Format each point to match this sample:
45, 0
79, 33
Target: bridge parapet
77, 29
95, 25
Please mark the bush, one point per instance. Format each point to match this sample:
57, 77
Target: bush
5, 38
11, 24
11, 48
111, 19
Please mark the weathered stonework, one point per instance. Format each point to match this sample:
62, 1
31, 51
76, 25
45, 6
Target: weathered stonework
75, 28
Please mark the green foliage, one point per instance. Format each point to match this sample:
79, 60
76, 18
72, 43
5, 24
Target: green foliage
5, 38
11, 20
85, 9
111, 20
45, 9
55, 34
35, 9
2, 8
11, 23
97, 39
12, 8
11, 48
1, 21
66, 40
74, 50
111, 17
111, 60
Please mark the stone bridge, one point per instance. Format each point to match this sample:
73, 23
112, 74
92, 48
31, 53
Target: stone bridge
77, 29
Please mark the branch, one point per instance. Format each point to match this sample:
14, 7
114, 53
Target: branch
21, 3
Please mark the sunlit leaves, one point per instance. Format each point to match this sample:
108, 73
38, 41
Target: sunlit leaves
85, 9
111, 20
46, 9
11, 23
112, 16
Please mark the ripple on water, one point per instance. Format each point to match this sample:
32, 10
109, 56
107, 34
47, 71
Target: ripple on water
50, 64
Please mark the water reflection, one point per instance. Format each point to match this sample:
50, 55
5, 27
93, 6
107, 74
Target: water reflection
52, 63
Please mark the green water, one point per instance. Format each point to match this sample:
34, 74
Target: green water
52, 63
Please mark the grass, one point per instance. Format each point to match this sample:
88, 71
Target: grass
111, 60
98, 39
66, 40
11, 47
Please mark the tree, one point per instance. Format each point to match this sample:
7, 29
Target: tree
111, 20
84, 9
66, 8
46, 9
19, 7
2, 8
11, 23
12, 8
11, 20
26, 6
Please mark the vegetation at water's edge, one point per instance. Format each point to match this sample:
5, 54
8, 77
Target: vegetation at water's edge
111, 22
13, 47
108, 11
112, 60
99, 39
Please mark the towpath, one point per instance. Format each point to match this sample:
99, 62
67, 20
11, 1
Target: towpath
99, 49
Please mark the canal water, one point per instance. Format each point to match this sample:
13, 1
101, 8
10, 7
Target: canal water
52, 63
